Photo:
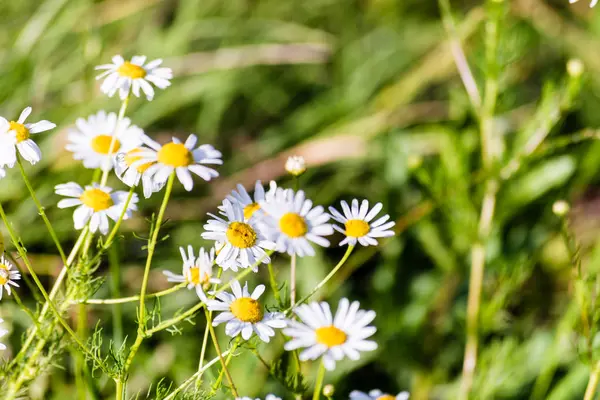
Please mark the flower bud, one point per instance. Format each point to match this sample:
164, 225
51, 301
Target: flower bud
575, 67
328, 390
560, 208
295, 165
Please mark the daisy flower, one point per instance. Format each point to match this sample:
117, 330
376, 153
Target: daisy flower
294, 222
132, 175
126, 76
248, 203
357, 223
377, 394
181, 158
8, 276
240, 242
197, 271
295, 165
244, 314
329, 337
16, 135
269, 397
95, 204
91, 139
3, 332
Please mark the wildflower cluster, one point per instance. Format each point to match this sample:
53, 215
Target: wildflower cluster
248, 230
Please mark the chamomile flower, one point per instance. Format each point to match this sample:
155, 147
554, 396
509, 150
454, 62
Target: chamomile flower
244, 314
242, 241
95, 204
332, 338
357, 223
131, 76
131, 174
16, 135
197, 271
251, 204
3, 332
293, 222
295, 165
269, 397
180, 158
377, 394
8, 276
91, 139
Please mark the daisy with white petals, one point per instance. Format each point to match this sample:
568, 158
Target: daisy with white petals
131, 76
377, 394
132, 175
16, 135
8, 276
98, 138
357, 223
3, 332
251, 204
95, 204
293, 222
269, 397
197, 271
244, 314
242, 242
332, 338
181, 158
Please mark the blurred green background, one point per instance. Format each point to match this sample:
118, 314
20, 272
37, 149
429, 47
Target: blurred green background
367, 91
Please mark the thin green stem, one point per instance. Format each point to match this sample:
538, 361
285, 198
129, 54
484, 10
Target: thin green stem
203, 353
119, 389
25, 309
41, 211
590, 390
111, 148
293, 280
273, 282
218, 349
132, 299
115, 290
227, 361
319, 382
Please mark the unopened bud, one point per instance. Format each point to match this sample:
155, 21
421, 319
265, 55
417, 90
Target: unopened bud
560, 208
575, 68
328, 390
295, 165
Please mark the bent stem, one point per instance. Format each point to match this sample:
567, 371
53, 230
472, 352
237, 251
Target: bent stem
319, 383
293, 281
131, 299
218, 349
203, 353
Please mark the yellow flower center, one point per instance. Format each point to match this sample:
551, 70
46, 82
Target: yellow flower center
247, 309
21, 131
293, 225
386, 397
175, 155
131, 70
4, 274
250, 209
357, 228
132, 156
101, 144
96, 199
241, 235
330, 336
194, 276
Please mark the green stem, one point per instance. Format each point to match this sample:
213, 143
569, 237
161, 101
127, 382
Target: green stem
25, 308
130, 299
119, 390
227, 361
80, 358
203, 353
590, 391
41, 211
218, 349
319, 383
115, 290
293, 281
113, 141
273, 282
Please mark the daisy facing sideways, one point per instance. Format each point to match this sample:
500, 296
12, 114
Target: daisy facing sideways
96, 139
251, 204
132, 175
16, 135
131, 76
242, 242
357, 223
8, 276
244, 314
95, 204
377, 394
181, 158
197, 271
294, 223
331, 338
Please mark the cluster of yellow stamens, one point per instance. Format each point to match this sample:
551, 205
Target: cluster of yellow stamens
247, 309
101, 144
4, 274
241, 235
175, 155
96, 199
193, 276
132, 71
250, 209
133, 156
330, 336
357, 228
21, 131
386, 397
293, 225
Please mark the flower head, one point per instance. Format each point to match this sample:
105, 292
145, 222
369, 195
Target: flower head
95, 204
295, 165
197, 271
242, 242
293, 222
377, 394
131, 76
130, 169
332, 338
251, 205
8, 276
181, 158
96, 139
357, 223
244, 314
16, 135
